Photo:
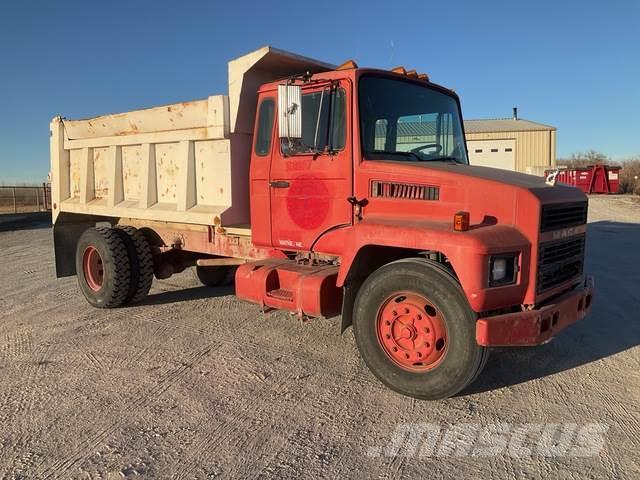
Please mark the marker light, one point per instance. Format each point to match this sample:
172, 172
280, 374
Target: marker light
461, 221
348, 65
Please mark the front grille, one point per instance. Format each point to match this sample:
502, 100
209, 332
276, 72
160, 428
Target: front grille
559, 261
404, 190
563, 215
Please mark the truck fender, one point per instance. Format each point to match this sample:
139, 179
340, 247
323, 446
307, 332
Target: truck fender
465, 251
352, 287
382, 243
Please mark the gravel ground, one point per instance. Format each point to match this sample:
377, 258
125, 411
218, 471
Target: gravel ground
197, 384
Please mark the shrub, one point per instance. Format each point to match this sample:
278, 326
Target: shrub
630, 176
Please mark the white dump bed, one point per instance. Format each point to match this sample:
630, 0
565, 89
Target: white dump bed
186, 162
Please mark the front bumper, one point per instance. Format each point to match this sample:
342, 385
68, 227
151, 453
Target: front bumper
534, 327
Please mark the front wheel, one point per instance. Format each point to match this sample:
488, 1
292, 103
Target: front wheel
416, 331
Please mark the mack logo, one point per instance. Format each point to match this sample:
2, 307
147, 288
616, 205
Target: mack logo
564, 233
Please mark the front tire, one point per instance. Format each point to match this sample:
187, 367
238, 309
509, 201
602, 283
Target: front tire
415, 330
102, 267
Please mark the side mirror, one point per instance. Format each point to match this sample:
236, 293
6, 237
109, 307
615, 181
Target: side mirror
289, 111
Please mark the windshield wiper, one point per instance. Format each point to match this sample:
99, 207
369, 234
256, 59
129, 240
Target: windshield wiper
446, 159
404, 154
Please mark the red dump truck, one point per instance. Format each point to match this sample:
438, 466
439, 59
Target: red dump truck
296, 183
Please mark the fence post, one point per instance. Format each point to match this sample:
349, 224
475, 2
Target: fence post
37, 190
15, 206
44, 195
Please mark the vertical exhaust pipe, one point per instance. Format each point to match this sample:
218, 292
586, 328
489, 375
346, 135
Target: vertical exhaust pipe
515, 113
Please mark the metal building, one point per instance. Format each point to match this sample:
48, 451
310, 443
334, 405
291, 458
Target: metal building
511, 143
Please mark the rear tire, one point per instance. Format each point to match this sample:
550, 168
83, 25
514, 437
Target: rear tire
140, 260
215, 276
102, 267
415, 330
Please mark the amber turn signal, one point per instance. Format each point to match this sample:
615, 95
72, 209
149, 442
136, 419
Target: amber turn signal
461, 221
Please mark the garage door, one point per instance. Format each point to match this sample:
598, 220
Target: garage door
493, 153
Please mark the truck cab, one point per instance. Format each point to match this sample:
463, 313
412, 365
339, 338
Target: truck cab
432, 260
345, 189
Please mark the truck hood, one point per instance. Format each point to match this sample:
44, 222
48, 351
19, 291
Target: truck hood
536, 185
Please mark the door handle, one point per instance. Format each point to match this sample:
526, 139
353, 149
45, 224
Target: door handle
279, 184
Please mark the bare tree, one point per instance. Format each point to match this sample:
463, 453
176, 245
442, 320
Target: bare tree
582, 159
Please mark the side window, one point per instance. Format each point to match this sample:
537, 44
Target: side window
265, 127
323, 123
380, 134
447, 135
338, 120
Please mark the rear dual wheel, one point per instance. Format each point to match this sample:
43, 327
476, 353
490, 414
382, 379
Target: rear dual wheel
416, 331
140, 260
114, 266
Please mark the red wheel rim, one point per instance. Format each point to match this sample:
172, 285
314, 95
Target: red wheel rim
411, 331
93, 269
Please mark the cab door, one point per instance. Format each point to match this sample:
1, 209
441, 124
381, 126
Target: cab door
311, 178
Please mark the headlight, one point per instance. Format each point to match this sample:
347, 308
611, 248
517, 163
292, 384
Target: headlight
502, 269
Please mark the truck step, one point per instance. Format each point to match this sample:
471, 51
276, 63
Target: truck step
282, 294
308, 290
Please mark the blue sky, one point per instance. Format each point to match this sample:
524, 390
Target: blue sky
571, 64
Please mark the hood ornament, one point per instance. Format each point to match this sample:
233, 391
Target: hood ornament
552, 176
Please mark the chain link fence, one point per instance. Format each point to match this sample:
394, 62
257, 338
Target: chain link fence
20, 199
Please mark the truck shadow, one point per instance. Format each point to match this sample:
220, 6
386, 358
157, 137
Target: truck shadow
25, 221
613, 258
183, 295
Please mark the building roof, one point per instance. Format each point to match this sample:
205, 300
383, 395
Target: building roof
420, 129
503, 125
410, 129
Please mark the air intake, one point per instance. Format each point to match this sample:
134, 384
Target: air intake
560, 261
404, 190
556, 216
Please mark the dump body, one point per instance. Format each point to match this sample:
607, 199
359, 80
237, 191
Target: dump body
172, 163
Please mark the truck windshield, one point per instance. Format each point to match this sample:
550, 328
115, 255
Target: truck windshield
402, 120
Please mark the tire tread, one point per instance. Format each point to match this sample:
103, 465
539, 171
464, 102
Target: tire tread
141, 260
121, 270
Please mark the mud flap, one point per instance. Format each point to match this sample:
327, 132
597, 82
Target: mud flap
350, 291
66, 232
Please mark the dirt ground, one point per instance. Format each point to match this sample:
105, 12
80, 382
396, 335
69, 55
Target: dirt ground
197, 384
